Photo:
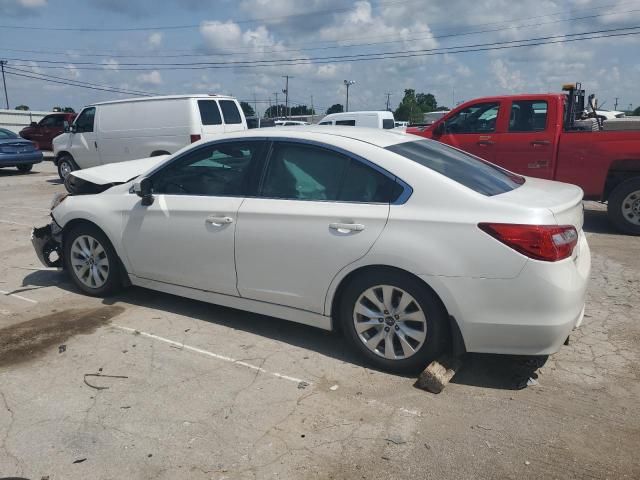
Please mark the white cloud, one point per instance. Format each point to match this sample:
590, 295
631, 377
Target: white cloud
73, 70
32, 3
509, 78
150, 78
155, 39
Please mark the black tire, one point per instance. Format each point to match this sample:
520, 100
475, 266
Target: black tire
437, 331
65, 161
622, 212
25, 168
112, 281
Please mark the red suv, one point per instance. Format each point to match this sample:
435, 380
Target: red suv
43, 132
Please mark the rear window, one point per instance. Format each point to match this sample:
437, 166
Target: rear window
472, 172
230, 112
209, 112
388, 123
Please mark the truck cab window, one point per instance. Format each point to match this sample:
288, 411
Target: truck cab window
84, 122
528, 116
478, 118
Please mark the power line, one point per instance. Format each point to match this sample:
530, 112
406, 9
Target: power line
124, 90
112, 90
197, 25
266, 52
553, 39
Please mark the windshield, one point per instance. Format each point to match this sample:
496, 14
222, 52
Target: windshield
472, 172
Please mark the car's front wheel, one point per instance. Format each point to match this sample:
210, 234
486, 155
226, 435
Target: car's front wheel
393, 320
91, 261
25, 168
624, 206
65, 166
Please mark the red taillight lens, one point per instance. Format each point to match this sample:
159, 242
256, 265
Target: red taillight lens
549, 243
195, 138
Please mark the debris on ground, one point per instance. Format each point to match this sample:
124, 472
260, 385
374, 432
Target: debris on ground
396, 439
100, 375
302, 385
80, 460
62, 348
438, 374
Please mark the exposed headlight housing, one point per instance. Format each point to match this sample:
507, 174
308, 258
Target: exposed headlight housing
58, 199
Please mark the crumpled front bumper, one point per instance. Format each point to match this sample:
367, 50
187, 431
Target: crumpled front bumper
47, 242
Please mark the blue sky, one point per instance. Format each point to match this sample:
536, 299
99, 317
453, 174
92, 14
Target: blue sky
226, 31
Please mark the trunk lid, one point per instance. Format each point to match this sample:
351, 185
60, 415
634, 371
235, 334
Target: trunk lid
562, 199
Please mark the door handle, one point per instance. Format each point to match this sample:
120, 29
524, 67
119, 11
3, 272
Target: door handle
346, 227
540, 143
486, 143
95, 144
219, 221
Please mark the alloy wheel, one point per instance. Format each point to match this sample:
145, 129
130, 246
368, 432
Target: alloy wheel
631, 207
89, 261
65, 169
390, 322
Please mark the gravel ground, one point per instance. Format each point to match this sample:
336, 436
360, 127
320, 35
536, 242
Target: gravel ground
147, 385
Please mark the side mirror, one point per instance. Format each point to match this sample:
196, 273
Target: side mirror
439, 129
73, 128
143, 189
33, 124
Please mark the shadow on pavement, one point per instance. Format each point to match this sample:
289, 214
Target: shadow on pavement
597, 221
489, 371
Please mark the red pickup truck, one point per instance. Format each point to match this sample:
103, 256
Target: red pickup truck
43, 132
541, 136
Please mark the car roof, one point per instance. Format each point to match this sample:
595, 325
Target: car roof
166, 97
325, 133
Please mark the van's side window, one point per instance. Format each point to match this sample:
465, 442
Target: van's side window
84, 122
324, 123
351, 123
230, 112
209, 112
388, 123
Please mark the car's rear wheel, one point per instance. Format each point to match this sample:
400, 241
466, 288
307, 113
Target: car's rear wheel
65, 166
91, 261
624, 206
25, 168
393, 320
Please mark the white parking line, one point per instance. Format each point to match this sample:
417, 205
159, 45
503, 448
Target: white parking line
15, 295
211, 354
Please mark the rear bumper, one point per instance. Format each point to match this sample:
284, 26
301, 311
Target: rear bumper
532, 314
47, 242
13, 160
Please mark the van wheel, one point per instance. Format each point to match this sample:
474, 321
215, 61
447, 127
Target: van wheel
624, 206
65, 166
25, 168
395, 322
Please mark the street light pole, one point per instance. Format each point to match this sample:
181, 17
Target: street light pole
348, 83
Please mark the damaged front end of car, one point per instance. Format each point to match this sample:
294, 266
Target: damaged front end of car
47, 242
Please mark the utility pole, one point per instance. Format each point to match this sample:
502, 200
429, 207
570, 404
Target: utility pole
286, 93
615, 105
4, 82
348, 83
388, 94
277, 105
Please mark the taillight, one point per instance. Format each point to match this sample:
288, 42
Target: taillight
195, 138
549, 243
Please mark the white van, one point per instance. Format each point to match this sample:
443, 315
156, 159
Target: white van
381, 119
123, 130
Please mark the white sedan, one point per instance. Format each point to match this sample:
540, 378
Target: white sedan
410, 246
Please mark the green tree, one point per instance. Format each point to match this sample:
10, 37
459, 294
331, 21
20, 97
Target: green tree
275, 111
302, 110
335, 108
68, 110
23, 107
413, 106
636, 112
247, 109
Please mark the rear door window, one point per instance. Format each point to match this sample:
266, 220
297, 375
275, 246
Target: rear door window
472, 172
388, 123
209, 112
230, 112
528, 116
